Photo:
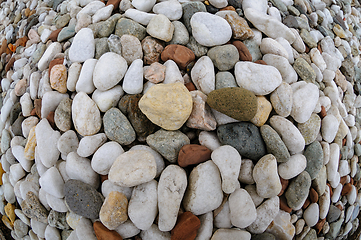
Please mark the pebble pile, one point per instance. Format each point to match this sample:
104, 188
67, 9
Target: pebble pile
177, 119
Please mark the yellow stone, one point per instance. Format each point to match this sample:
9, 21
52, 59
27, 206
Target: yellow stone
58, 76
9, 211
114, 210
1, 174
7, 222
29, 152
337, 29
264, 108
167, 105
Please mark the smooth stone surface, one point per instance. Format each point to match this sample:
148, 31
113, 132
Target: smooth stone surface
266, 177
171, 188
160, 27
274, 143
83, 46
242, 209
228, 162
133, 168
168, 143
83, 199
107, 99
298, 190
109, 71
310, 129
62, 115
105, 156
89, 144
205, 25
289, 133
79, 168
144, 199
200, 200
314, 156
117, 127
203, 75
293, 167
257, 78
167, 105
114, 210
243, 136
235, 102
85, 115
224, 57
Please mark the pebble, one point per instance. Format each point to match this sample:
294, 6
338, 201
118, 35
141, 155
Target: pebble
171, 9
199, 200
274, 143
89, 144
83, 199
105, 156
179, 54
171, 188
106, 75
62, 115
85, 80
33, 209
290, 135
303, 106
293, 167
329, 128
193, 154
203, 75
79, 168
243, 136
203, 24
133, 79
83, 46
52, 182
160, 27
259, 79
228, 162
310, 129
244, 108
289, 75
144, 198
187, 226
133, 168
242, 209
117, 127
167, 105
168, 143
114, 210
314, 156
107, 99
297, 191
266, 177
85, 115
223, 57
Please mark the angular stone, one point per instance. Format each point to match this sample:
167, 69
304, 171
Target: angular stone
179, 54
191, 154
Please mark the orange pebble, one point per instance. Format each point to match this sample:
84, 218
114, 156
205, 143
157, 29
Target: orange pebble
12, 47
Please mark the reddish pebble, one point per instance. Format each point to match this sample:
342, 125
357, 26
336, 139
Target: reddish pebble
261, 62
284, 184
103, 178
54, 35
37, 105
104, 233
21, 41
319, 225
114, 2
313, 195
179, 54
193, 154
186, 227
343, 142
306, 204
323, 112
343, 180
284, 206
244, 54
346, 189
50, 119
190, 86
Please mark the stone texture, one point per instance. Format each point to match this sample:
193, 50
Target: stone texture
191, 154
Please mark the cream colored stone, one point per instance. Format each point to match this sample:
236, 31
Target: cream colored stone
167, 105
114, 210
29, 152
264, 108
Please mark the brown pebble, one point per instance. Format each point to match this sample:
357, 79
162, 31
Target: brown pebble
244, 54
307, 49
306, 204
20, 87
339, 206
181, 55
4, 47
284, 183
186, 227
191, 154
54, 35
50, 119
114, 2
103, 178
343, 180
331, 192
33, 112
346, 189
344, 142
261, 62
190, 86
104, 233
352, 181
283, 205
9, 64
313, 195
21, 41
228, 8
37, 105
323, 112
319, 225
